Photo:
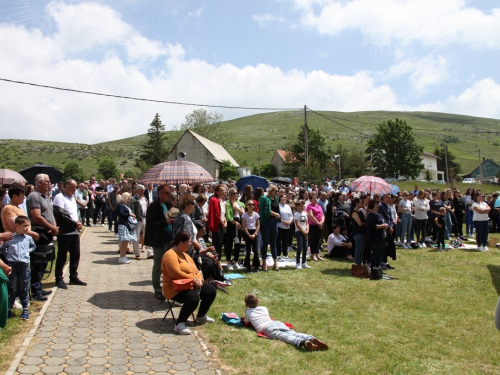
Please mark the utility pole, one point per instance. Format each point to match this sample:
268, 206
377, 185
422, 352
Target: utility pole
259, 160
446, 162
480, 168
306, 147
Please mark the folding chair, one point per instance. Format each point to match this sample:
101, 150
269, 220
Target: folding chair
170, 304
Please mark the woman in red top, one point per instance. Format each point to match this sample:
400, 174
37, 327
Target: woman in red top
217, 216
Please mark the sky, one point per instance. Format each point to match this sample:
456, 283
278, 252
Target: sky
338, 55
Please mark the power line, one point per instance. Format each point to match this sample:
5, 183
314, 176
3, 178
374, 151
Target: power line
338, 123
148, 100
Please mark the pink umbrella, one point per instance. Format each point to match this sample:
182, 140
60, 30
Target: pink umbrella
371, 185
8, 176
176, 172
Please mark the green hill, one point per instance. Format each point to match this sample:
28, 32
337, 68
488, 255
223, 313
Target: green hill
464, 135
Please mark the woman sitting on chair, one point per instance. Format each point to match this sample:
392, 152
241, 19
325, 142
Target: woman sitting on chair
176, 265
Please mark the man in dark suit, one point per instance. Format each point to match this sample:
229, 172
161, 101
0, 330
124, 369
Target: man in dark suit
150, 193
385, 210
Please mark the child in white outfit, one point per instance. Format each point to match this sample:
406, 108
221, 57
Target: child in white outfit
259, 317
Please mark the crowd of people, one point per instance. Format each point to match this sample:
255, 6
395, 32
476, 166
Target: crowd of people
250, 229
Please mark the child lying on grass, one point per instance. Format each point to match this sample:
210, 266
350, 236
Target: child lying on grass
259, 317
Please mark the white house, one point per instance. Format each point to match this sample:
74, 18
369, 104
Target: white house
430, 164
244, 171
202, 151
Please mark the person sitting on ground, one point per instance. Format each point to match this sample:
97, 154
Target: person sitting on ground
339, 245
259, 317
176, 265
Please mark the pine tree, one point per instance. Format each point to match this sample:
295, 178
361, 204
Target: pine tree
155, 149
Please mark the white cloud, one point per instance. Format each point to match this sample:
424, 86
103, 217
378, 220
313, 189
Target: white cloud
268, 19
85, 26
423, 73
384, 21
196, 13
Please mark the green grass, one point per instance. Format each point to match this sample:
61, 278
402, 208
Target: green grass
272, 131
437, 318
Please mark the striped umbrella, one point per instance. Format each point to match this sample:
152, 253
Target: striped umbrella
371, 185
176, 172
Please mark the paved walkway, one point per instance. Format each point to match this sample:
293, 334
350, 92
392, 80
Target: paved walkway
112, 326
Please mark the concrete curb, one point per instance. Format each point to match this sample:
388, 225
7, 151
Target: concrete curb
22, 350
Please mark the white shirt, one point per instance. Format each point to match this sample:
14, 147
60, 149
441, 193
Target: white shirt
285, 214
258, 317
301, 217
476, 216
67, 203
250, 221
421, 208
405, 206
334, 240
79, 196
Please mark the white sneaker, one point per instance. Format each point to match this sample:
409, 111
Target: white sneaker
204, 319
229, 267
17, 305
182, 329
123, 260
102, 225
480, 248
237, 266
298, 266
236, 240
486, 248
306, 266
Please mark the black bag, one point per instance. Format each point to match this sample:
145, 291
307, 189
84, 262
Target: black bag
43, 253
376, 273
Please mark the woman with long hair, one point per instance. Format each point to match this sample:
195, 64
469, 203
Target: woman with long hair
469, 198
284, 226
247, 194
422, 207
217, 216
234, 210
316, 222
251, 227
269, 212
358, 221
125, 235
480, 210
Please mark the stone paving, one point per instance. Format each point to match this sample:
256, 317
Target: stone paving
112, 326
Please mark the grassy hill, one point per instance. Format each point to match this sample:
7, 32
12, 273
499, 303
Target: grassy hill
464, 134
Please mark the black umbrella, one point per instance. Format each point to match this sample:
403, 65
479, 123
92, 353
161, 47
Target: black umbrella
282, 180
30, 173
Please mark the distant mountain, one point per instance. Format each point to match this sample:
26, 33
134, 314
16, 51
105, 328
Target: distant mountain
464, 135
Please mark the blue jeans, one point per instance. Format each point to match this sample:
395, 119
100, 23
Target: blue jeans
481, 232
20, 280
469, 224
301, 247
448, 225
279, 331
406, 222
269, 231
359, 242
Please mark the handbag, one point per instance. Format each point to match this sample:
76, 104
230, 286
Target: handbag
132, 223
360, 271
43, 254
183, 284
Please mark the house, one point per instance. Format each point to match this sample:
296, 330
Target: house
244, 171
279, 161
488, 168
202, 151
430, 164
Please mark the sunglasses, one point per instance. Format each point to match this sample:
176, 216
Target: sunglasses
251, 204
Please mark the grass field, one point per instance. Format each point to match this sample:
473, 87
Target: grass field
436, 318
465, 136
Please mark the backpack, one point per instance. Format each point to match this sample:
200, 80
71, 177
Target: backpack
232, 319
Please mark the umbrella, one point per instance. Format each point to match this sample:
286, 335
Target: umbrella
8, 176
394, 189
282, 180
176, 172
30, 173
255, 181
371, 185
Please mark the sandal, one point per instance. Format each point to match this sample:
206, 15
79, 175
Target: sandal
137, 257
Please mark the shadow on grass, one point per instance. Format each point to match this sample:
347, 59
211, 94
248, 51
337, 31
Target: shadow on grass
337, 272
495, 276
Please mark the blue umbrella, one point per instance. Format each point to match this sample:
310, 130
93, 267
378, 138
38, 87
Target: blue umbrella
255, 181
395, 189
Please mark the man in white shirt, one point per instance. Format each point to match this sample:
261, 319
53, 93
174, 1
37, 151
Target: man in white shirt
68, 239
